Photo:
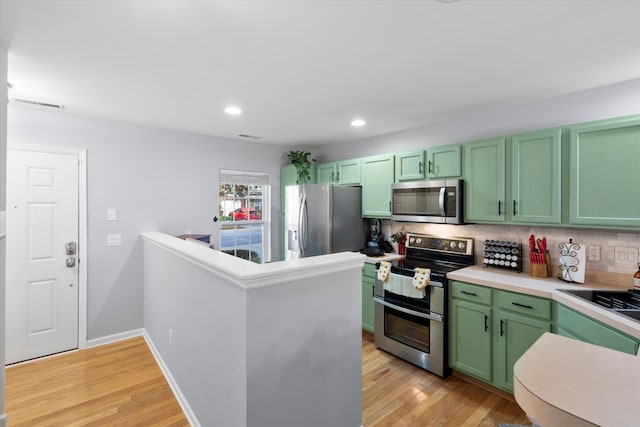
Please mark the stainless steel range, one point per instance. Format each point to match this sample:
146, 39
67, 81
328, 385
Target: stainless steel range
415, 327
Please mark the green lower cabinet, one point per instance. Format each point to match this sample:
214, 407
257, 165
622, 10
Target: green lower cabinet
570, 323
516, 334
470, 343
490, 329
368, 306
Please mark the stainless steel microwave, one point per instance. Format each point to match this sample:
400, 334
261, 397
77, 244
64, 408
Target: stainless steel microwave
428, 201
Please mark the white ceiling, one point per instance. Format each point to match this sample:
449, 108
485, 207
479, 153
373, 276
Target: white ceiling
302, 70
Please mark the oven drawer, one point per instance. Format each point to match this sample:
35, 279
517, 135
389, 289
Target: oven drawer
525, 304
469, 292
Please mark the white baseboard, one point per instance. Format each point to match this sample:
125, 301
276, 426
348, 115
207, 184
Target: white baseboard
182, 401
3, 420
115, 338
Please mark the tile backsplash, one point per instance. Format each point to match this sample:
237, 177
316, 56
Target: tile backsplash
626, 243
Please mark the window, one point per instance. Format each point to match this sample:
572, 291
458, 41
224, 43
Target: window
243, 209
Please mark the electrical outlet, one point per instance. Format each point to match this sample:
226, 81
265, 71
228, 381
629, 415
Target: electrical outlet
626, 256
114, 239
594, 253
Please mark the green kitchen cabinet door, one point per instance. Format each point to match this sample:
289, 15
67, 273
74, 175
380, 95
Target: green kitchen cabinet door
470, 339
377, 177
573, 324
536, 178
604, 174
348, 172
485, 181
410, 166
444, 162
326, 172
368, 307
516, 333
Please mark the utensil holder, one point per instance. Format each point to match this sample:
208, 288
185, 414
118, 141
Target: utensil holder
540, 264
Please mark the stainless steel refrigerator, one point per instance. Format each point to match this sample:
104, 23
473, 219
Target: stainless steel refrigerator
322, 219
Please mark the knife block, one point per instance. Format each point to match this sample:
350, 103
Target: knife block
542, 270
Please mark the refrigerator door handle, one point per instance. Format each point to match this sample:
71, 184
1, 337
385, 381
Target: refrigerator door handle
302, 225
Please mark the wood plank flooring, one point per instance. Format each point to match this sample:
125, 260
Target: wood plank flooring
115, 384
121, 385
396, 393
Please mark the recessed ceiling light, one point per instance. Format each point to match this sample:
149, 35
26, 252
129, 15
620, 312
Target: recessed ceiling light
233, 110
358, 123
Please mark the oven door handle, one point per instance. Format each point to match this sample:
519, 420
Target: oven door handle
431, 283
430, 316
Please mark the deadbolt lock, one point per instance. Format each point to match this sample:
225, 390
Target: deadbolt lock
70, 248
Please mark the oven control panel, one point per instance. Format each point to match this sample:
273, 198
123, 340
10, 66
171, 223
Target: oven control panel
457, 245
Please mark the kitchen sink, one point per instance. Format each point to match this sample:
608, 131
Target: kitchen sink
625, 303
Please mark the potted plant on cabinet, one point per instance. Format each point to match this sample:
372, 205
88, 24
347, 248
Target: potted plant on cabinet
301, 161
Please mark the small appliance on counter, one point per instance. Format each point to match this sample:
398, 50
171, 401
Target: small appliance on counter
375, 233
572, 262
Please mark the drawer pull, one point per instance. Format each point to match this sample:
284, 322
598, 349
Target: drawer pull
517, 304
473, 294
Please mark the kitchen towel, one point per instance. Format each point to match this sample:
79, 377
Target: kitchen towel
403, 285
383, 271
421, 278
572, 261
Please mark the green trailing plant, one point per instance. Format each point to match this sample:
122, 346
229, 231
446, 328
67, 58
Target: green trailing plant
301, 161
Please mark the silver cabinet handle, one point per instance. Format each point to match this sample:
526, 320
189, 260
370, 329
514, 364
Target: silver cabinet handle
430, 316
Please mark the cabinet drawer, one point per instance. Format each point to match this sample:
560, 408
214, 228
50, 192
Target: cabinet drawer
469, 292
525, 304
576, 325
369, 270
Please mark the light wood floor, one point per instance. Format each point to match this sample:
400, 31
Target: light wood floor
116, 384
121, 384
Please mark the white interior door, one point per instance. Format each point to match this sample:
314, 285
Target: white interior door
42, 262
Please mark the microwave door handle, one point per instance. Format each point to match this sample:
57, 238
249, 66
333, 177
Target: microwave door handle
442, 200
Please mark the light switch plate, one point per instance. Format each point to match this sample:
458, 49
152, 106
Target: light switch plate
114, 239
112, 214
626, 256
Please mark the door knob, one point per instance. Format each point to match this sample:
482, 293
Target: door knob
71, 261
70, 248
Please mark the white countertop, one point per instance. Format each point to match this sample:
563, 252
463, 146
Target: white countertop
385, 257
585, 385
547, 288
248, 274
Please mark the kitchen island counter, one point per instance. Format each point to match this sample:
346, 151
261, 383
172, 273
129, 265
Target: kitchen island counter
585, 385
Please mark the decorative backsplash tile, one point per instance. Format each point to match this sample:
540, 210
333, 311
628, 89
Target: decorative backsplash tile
608, 241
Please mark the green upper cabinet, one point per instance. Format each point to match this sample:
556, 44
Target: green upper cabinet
377, 177
326, 172
410, 166
348, 172
535, 177
485, 181
343, 172
288, 176
444, 162
604, 174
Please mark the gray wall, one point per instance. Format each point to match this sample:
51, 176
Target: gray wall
3, 174
158, 180
604, 102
